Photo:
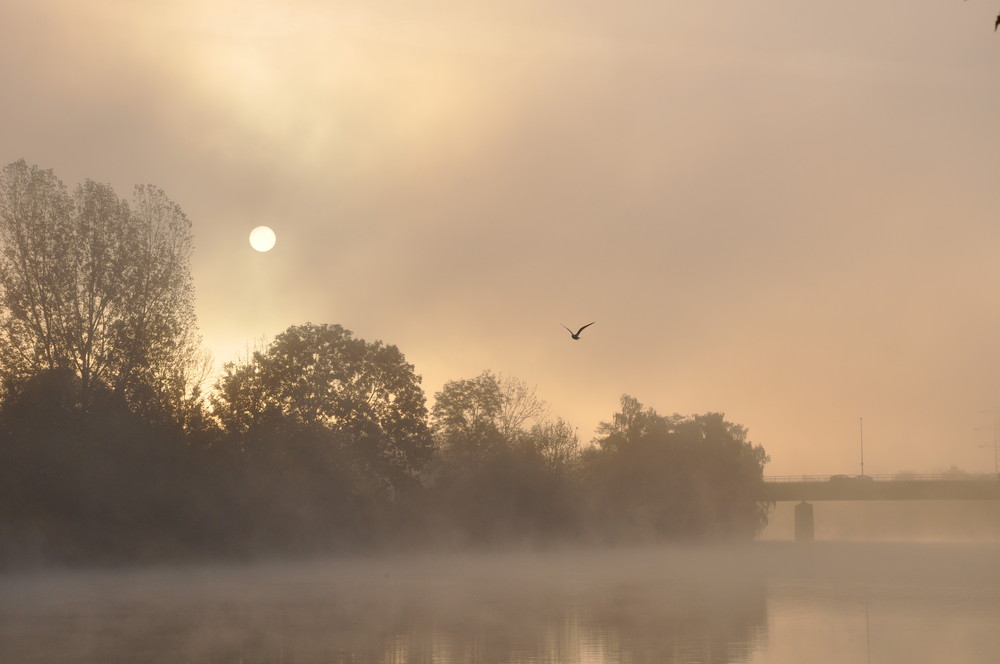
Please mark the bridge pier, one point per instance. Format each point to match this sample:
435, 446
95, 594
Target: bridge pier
804, 522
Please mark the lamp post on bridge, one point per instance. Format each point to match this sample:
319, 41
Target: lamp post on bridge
996, 442
996, 453
861, 424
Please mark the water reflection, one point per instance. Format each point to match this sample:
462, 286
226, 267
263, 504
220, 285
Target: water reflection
763, 603
636, 606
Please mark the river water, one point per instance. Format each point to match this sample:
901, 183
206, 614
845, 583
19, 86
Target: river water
766, 601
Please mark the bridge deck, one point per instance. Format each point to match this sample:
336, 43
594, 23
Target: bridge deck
923, 487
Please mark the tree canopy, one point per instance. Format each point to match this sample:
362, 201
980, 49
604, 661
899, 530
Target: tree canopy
503, 470
98, 286
322, 376
316, 441
656, 475
475, 414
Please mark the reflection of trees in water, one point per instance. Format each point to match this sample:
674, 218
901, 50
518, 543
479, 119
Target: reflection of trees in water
687, 623
447, 610
662, 622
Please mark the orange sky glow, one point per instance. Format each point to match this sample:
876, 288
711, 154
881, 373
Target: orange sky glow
782, 211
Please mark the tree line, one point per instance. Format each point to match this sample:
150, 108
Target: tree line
112, 449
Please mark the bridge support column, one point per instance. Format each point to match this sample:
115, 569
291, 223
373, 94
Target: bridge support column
804, 522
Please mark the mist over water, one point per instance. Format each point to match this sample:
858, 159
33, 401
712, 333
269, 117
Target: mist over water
893, 520
756, 602
733, 199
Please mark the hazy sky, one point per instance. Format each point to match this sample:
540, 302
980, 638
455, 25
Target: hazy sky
786, 211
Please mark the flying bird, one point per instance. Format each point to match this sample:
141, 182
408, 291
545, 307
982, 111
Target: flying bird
997, 24
576, 335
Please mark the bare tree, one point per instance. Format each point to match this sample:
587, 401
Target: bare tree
557, 442
519, 406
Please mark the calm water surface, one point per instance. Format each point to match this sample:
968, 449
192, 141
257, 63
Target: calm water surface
774, 602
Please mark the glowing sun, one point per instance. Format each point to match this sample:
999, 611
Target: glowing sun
262, 238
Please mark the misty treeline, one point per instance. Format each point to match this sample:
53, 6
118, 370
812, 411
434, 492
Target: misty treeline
114, 447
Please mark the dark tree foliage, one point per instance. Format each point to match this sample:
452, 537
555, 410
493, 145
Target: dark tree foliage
512, 495
674, 476
647, 477
502, 474
98, 286
318, 442
466, 415
100, 411
363, 395
286, 487
91, 482
473, 416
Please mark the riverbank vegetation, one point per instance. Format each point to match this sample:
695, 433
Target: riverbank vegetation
113, 449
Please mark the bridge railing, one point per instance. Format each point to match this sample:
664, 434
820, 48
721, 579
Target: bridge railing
897, 477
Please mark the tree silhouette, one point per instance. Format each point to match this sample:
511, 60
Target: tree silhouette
631, 424
97, 286
674, 476
503, 472
474, 414
466, 415
319, 375
94, 482
317, 441
557, 443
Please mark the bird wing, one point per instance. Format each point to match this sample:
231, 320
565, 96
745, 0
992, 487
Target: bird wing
567, 329
585, 327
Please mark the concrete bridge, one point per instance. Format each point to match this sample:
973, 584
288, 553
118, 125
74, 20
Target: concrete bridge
882, 487
803, 488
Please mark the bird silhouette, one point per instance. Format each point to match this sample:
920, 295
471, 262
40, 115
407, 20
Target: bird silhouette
997, 24
576, 335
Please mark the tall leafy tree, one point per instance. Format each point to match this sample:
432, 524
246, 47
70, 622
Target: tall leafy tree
503, 472
631, 424
364, 394
466, 415
557, 443
675, 476
473, 414
95, 285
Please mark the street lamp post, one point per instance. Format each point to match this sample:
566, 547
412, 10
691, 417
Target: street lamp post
861, 424
996, 450
996, 442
